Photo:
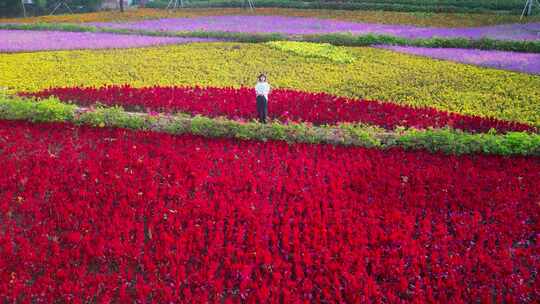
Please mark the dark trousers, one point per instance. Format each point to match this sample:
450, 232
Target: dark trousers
262, 108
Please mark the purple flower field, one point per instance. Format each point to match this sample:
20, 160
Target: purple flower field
301, 25
27, 41
512, 61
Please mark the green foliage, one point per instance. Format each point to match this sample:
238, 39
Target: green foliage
178, 124
46, 110
115, 117
278, 130
370, 136
371, 39
456, 142
68, 27
246, 131
230, 36
205, 126
52, 109
435, 140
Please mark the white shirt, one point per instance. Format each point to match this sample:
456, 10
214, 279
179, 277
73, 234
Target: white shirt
262, 88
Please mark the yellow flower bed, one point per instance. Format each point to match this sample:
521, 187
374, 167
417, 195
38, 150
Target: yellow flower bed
375, 74
385, 17
314, 50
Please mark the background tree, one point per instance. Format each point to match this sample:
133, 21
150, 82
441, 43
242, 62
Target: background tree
10, 7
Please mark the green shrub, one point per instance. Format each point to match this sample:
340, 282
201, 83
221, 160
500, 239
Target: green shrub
435, 140
50, 109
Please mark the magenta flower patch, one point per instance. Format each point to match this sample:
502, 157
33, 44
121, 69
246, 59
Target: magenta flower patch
512, 61
301, 25
27, 41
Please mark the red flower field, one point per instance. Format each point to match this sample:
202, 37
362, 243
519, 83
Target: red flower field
317, 108
101, 215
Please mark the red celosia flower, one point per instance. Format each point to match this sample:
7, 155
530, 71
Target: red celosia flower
285, 105
121, 216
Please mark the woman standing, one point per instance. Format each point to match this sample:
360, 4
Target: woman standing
262, 89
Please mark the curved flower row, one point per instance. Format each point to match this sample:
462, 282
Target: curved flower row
27, 41
364, 16
512, 61
314, 50
376, 74
300, 25
109, 215
285, 105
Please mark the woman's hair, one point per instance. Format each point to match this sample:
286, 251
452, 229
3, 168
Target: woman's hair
261, 76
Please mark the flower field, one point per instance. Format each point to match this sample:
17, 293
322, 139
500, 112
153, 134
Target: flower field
26, 41
134, 168
381, 17
286, 105
157, 217
302, 25
314, 50
375, 74
520, 62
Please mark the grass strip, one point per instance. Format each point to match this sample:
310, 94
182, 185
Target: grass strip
446, 140
339, 39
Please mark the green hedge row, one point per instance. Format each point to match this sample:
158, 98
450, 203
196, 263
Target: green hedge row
435, 140
335, 39
483, 44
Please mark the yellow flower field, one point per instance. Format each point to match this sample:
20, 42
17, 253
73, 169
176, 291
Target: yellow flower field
314, 50
384, 17
374, 74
